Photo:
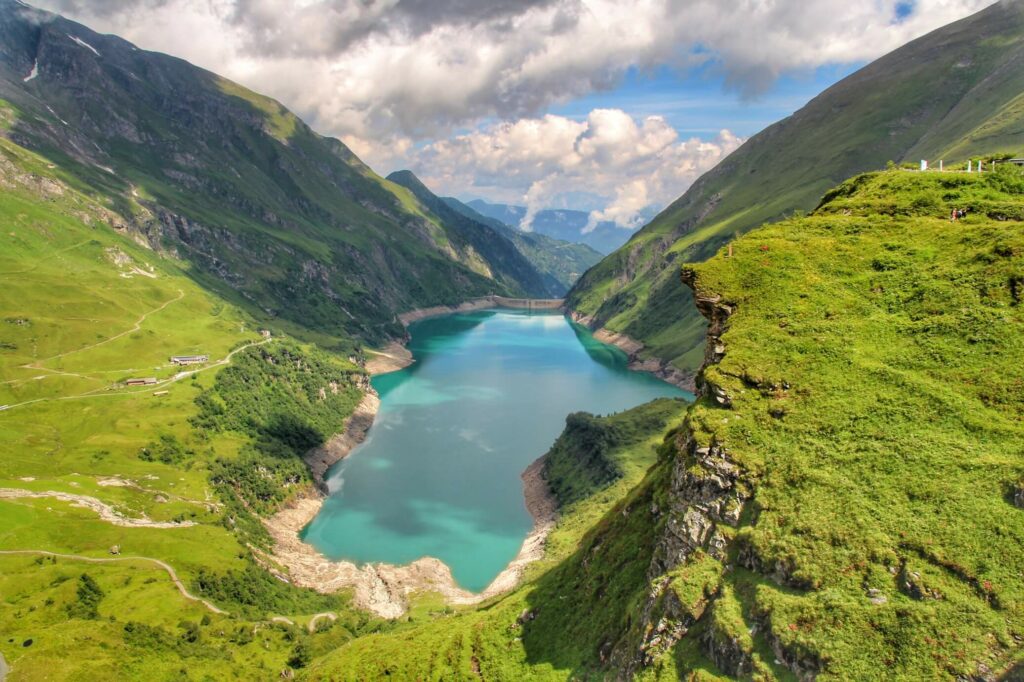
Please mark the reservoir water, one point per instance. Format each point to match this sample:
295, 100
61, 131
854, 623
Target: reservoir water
438, 474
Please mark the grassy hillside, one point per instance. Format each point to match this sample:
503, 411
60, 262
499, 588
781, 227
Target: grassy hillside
872, 375
286, 223
952, 94
560, 262
88, 463
517, 271
844, 500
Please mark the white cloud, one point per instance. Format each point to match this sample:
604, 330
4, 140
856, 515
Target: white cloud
394, 78
421, 67
631, 164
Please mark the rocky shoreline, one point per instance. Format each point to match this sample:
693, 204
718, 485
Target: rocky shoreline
391, 358
385, 589
659, 368
322, 458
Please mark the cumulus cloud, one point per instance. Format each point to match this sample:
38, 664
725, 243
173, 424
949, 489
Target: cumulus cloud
630, 164
422, 67
395, 78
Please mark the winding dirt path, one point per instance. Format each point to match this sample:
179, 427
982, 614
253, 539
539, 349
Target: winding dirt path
330, 615
110, 560
135, 328
105, 511
106, 393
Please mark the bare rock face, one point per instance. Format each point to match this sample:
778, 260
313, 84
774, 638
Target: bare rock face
320, 459
707, 494
1018, 495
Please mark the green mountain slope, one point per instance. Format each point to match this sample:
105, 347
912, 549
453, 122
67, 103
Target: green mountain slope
842, 502
491, 244
91, 466
952, 94
286, 222
560, 262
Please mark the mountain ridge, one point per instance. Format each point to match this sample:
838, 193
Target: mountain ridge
280, 219
900, 107
564, 224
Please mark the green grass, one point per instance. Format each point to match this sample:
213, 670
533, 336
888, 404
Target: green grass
76, 318
873, 362
890, 110
285, 224
873, 366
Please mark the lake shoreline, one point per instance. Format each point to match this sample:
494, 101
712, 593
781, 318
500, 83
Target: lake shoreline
396, 356
385, 589
662, 369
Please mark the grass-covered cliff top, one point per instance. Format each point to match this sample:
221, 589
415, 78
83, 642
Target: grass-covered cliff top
875, 366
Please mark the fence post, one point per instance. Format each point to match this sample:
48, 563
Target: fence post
940, 165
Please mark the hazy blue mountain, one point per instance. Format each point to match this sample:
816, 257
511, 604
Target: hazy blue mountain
561, 224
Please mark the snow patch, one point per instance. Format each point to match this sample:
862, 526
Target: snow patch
55, 114
33, 73
84, 44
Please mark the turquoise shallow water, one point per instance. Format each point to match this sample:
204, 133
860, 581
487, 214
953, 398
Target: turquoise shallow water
438, 474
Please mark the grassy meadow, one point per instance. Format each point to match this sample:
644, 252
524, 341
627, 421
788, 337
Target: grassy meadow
83, 309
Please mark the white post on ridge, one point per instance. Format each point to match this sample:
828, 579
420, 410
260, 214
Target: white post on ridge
924, 164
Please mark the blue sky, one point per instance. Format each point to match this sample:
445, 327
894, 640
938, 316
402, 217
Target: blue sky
697, 102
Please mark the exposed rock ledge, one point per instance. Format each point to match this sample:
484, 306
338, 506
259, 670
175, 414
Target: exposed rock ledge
385, 589
105, 511
391, 358
411, 316
320, 459
483, 303
659, 368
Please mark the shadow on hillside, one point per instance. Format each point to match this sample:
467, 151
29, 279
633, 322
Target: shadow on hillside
584, 607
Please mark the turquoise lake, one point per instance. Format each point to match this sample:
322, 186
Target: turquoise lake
438, 474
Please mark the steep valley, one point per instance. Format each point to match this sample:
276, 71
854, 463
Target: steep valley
195, 288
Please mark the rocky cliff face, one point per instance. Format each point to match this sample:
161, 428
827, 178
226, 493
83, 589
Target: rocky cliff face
707, 493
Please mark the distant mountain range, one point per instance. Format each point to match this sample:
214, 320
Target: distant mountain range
559, 262
558, 223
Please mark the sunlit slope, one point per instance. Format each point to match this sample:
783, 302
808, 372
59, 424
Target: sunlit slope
558, 263
952, 94
587, 586
120, 480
